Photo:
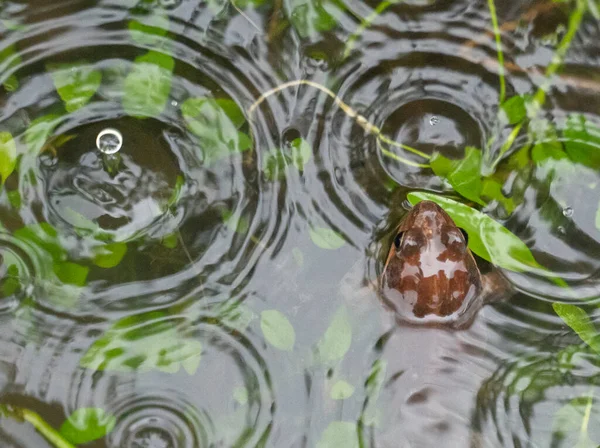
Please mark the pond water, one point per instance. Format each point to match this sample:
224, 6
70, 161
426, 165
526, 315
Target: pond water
210, 283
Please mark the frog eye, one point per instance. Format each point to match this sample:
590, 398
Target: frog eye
398, 240
465, 234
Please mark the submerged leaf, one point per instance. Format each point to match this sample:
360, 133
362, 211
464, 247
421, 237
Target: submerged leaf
11, 83
339, 435
143, 342
277, 330
571, 423
8, 155
216, 122
75, 83
582, 141
109, 255
87, 424
326, 238
342, 390
337, 338
301, 153
39, 131
151, 30
148, 85
487, 238
309, 17
579, 321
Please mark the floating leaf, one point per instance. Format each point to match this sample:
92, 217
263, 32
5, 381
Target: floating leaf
71, 273
87, 424
337, 338
326, 238
39, 131
579, 321
216, 122
75, 83
487, 238
151, 30
342, 390
109, 255
464, 175
571, 423
148, 341
339, 435
148, 85
8, 155
277, 330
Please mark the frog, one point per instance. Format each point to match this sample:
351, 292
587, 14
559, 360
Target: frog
431, 276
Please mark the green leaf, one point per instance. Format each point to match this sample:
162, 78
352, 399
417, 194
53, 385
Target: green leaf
374, 385
11, 83
8, 155
109, 255
216, 123
71, 273
240, 395
75, 83
237, 224
342, 390
514, 109
151, 30
277, 330
275, 164
326, 238
148, 85
148, 341
339, 435
170, 241
87, 424
337, 338
582, 141
487, 238
571, 423
309, 17
464, 175
39, 131
580, 323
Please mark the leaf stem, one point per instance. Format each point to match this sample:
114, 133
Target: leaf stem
499, 52
51, 434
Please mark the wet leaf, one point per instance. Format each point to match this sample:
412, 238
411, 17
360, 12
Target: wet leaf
11, 83
464, 175
277, 330
216, 122
514, 109
39, 131
170, 241
143, 342
582, 141
309, 17
87, 424
487, 238
8, 155
571, 423
579, 321
148, 85
109, 255
75, 83
342, 390
150, 29
339, 435
326, 238
337, 338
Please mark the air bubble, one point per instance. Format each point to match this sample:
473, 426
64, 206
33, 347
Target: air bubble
434, 120
568, 212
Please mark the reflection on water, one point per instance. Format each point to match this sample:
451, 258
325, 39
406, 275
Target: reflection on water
210, 284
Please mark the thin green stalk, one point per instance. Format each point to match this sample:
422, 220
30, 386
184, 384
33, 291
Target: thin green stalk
539, 98
364, 24
51, 434
393, 155
498, 37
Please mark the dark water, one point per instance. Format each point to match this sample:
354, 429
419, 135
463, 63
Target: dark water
208, 285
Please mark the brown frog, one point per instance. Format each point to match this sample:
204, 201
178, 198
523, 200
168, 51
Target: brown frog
430, 276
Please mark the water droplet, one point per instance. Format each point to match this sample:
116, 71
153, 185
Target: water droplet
434, 120
568, 212
174, 103
109, 141
561, 230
